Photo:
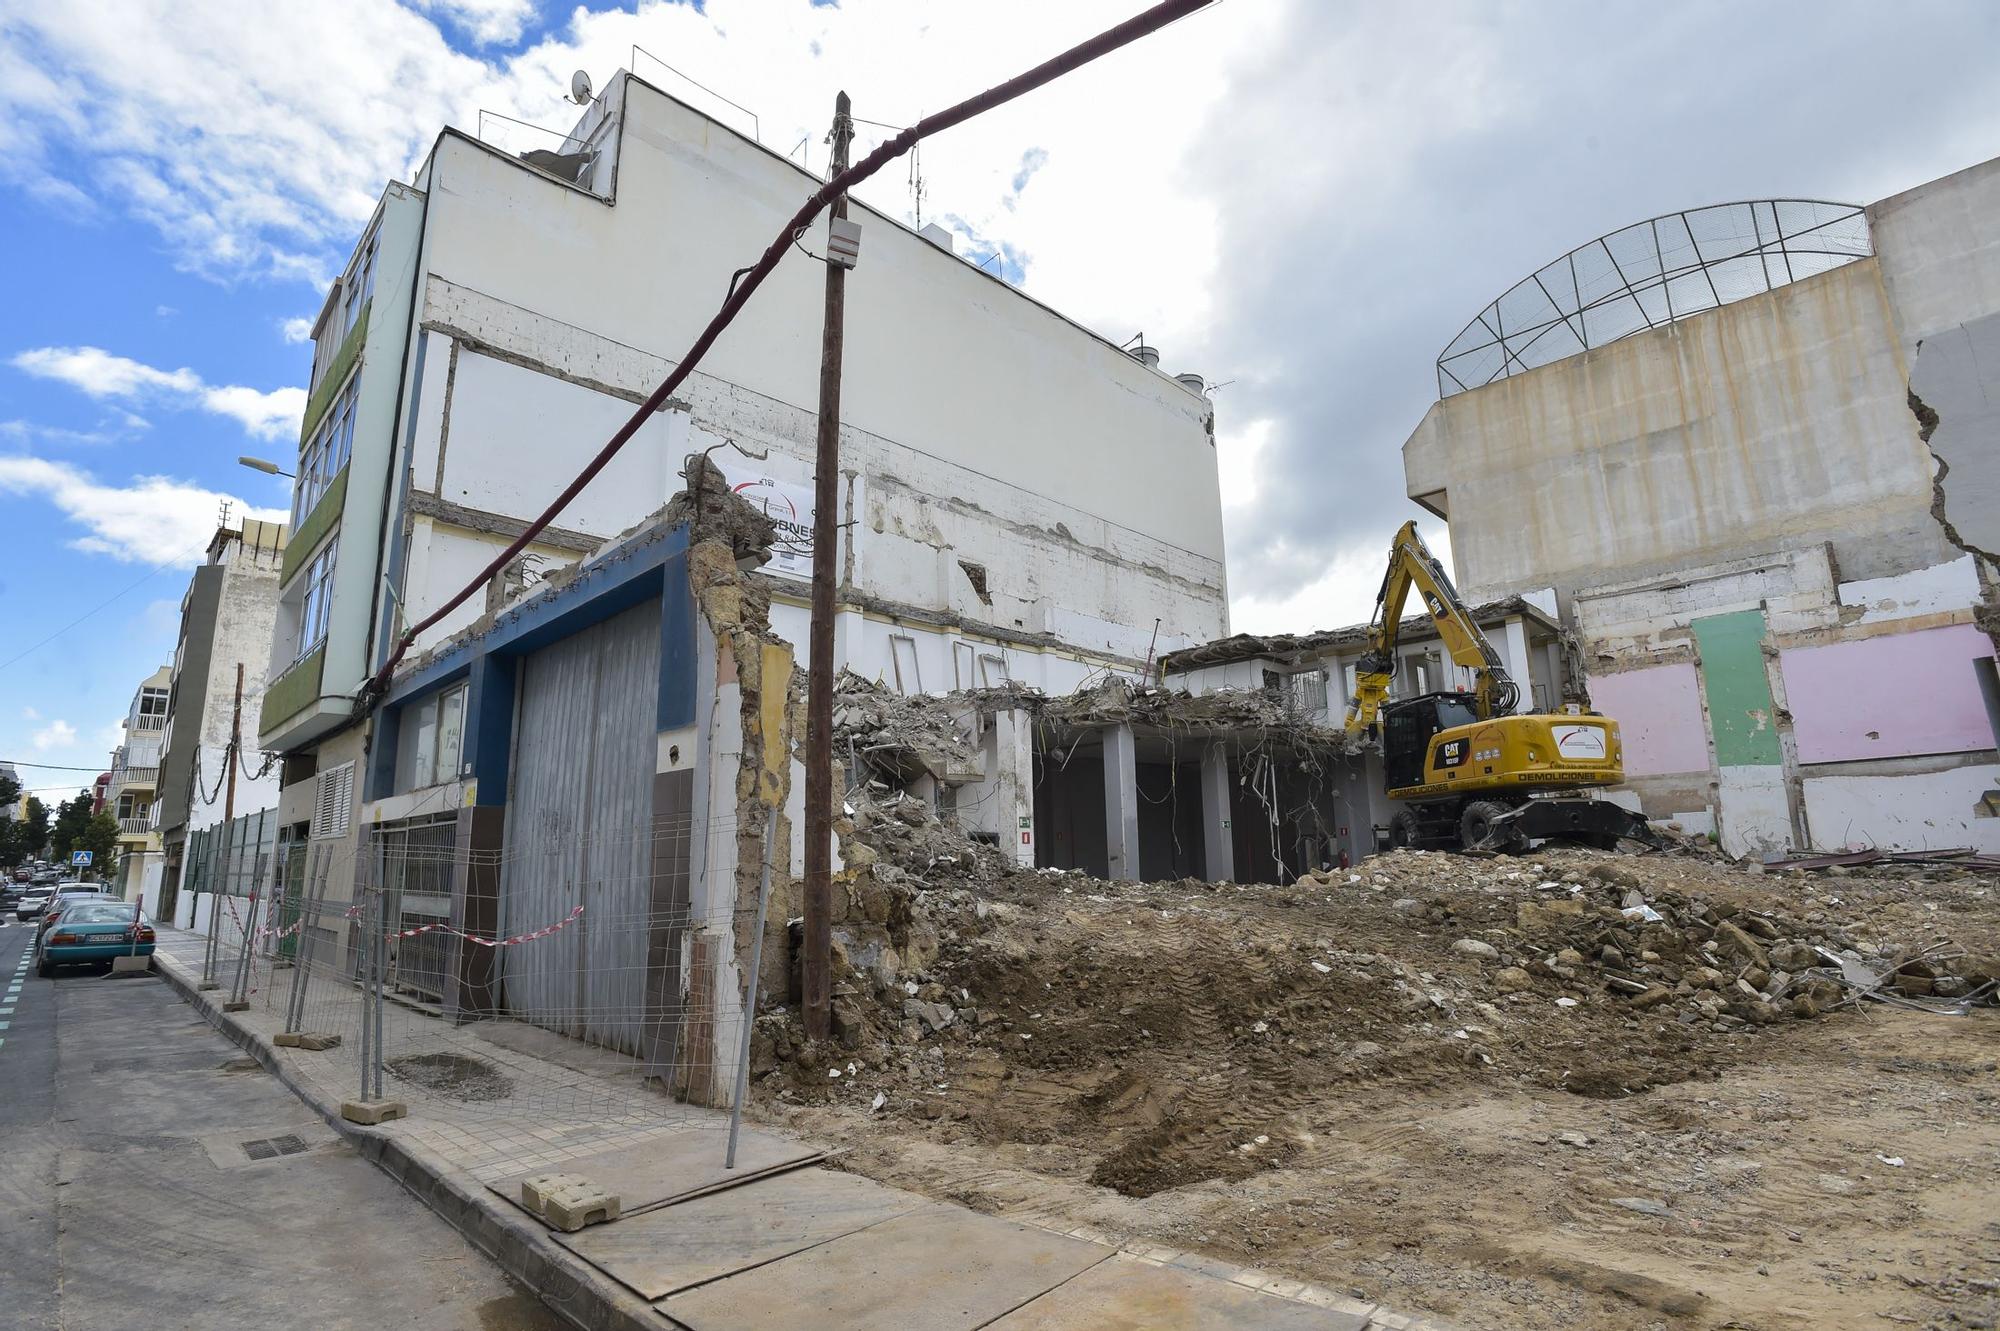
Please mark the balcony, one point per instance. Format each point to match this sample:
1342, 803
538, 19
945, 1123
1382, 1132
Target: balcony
139, 827
145, 724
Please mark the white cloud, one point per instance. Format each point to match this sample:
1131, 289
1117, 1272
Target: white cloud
54, 735
296, 330
153, 520
29, 431
485, 21
99, 374
1309, 199
165, 311
30, 714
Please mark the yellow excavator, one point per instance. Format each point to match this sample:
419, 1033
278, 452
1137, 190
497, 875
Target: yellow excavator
1470, 773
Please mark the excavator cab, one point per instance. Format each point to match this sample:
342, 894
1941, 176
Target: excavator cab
1407, 727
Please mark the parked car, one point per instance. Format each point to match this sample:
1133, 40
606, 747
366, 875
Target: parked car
24, 874
89, 932
30, 905
61, 895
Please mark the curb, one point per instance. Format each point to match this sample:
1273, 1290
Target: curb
519, 1246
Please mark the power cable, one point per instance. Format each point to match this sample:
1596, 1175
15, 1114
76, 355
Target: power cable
1140, 25
127, 590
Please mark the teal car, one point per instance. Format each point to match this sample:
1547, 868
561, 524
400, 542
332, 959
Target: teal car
91, 932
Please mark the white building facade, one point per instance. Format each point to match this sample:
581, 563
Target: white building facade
1021, 499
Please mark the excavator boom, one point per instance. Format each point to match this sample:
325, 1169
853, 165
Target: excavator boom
1412, 565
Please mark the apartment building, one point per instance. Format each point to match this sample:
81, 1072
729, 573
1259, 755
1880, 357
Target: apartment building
210, 767
134, 787
1022, 500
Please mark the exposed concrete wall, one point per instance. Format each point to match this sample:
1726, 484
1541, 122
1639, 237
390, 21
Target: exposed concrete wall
1915, 809
979, 428
1777, 421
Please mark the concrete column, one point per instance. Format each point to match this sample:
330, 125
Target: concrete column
1121, 804
1217, 839
1513, 647
1013, 777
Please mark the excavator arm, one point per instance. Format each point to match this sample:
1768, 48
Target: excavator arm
1411, 564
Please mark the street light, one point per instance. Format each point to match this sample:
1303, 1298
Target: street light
264, 465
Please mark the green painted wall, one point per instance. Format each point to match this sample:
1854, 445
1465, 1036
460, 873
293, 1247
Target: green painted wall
292, 692
304, 542
335, 377
1741, 716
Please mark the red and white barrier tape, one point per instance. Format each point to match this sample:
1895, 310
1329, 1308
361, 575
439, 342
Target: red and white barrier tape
542, 932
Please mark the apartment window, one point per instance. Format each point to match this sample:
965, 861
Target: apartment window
326, 452
433, 740
152, 713
1310, 690
358, 285
130, 806
318, 601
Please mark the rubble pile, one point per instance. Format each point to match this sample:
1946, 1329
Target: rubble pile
1596, 974
1721, 962
880, 731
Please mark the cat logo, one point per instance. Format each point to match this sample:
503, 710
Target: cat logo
1451, 753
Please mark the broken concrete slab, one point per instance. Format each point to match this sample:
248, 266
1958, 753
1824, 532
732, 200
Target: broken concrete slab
672, 1168
677, 1247
1127, 1294
940, 1268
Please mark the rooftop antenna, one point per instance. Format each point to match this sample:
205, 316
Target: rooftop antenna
222, 517
579, 87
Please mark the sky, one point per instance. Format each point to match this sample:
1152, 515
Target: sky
1302, 200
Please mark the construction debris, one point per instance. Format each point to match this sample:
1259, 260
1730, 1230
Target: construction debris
1049, 1040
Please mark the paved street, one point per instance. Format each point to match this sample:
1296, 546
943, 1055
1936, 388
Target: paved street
127, 1198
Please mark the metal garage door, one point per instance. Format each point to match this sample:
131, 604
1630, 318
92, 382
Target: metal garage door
579, 817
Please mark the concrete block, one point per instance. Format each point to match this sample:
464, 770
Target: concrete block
568, 1202
208, 986
237, 1006
131, 965
316, 1041
370, 1112
312, 1041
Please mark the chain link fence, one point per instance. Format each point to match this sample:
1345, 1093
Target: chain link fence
561, 984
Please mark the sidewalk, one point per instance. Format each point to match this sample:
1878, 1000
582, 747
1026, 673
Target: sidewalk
714, 1250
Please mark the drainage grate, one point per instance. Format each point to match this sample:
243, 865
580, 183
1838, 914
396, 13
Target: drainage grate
269, 1148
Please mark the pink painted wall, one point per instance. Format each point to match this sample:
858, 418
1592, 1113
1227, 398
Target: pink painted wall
1888, 697
1658, 711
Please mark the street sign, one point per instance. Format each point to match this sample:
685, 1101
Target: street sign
79, 857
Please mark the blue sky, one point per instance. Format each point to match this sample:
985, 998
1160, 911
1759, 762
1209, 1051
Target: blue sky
1303, 200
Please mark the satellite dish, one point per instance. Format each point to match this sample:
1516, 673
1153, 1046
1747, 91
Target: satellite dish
579, 87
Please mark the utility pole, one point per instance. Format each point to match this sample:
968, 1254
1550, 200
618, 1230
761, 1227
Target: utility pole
235, 743
818, 959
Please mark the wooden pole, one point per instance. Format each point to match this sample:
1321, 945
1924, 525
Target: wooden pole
235, 743
818, 967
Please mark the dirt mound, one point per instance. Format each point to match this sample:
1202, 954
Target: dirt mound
1176, 1031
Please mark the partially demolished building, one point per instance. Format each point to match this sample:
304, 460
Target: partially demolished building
1748, 454
501, 315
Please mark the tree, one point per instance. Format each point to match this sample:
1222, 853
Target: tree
72, 817
13, 841
100, 838
34, 827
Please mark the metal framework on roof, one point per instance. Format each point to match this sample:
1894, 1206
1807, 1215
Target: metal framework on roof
1646, 276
